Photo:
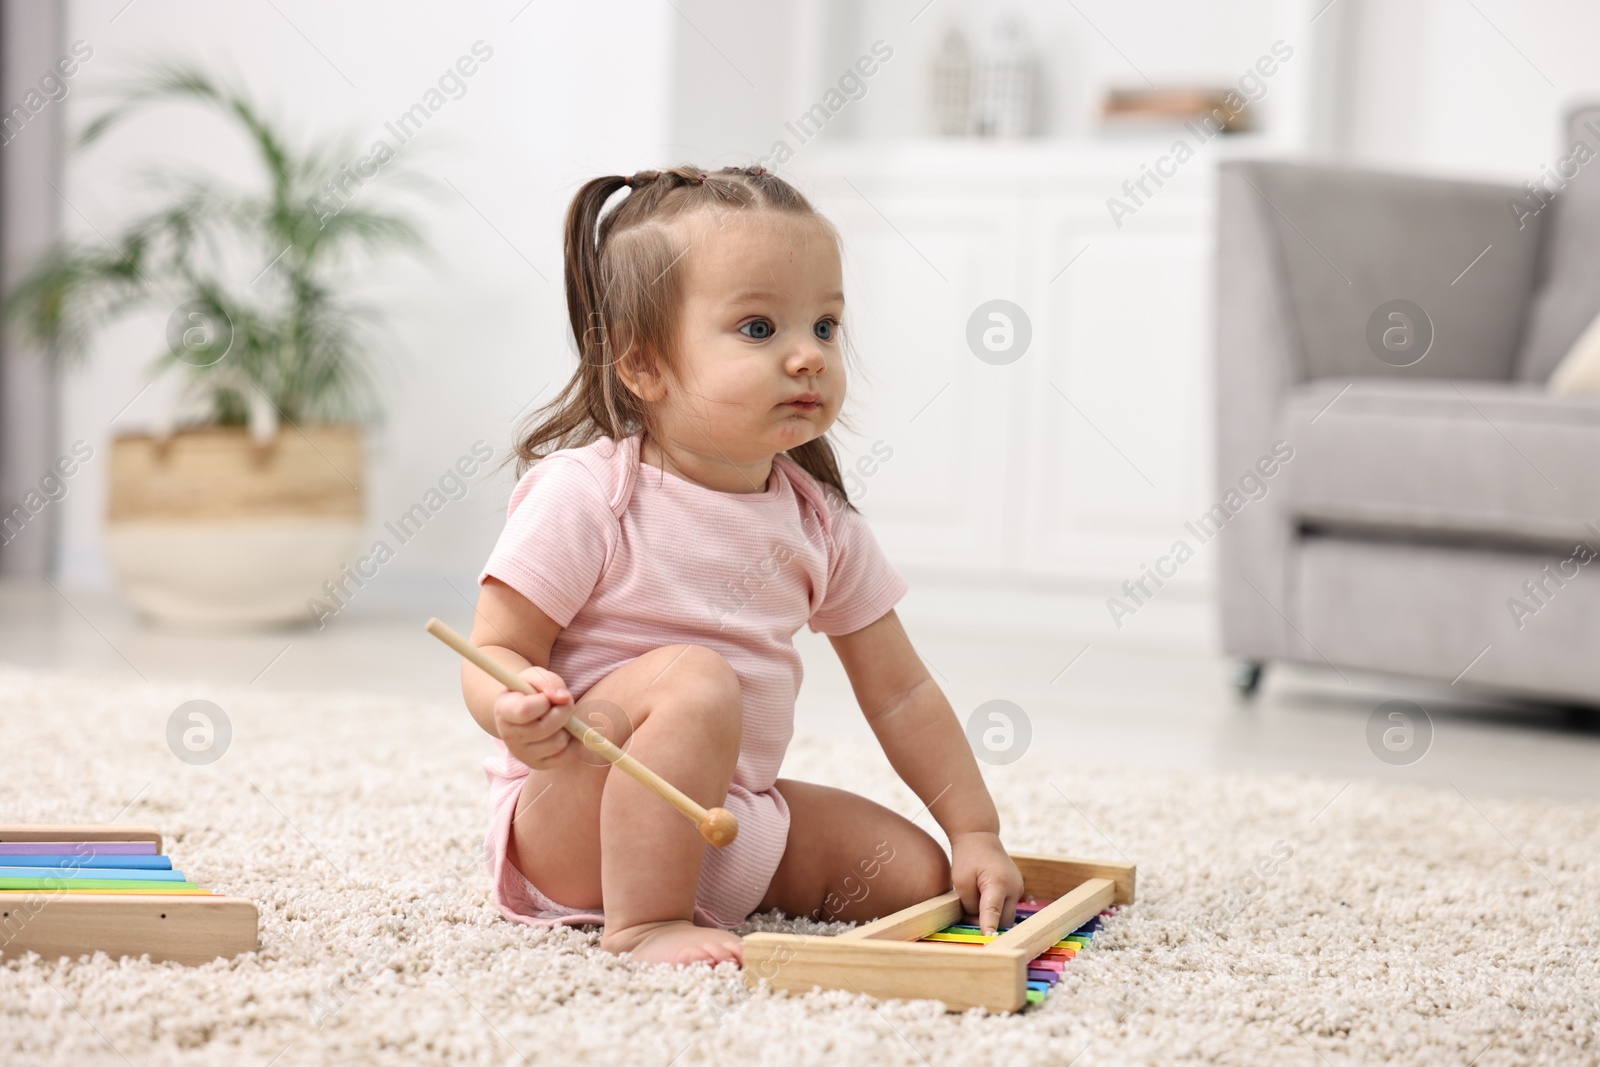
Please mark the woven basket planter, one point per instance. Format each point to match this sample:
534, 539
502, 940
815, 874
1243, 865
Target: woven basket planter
209, 528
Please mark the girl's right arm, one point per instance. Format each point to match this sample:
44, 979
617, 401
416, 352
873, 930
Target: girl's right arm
512, 629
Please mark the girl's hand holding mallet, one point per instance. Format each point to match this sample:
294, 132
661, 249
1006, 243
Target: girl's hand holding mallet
529, 719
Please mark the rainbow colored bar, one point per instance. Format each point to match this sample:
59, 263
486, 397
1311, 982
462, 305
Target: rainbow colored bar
77, 848
1044, 970
94, 885
144, 863
90, 867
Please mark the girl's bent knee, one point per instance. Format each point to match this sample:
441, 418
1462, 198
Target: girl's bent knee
704, 665
699, 681
704, 677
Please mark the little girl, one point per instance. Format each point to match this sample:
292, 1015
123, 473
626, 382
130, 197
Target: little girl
655, 564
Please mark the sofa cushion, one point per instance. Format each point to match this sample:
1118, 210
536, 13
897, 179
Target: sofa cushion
1350, 242
1476, 460
1579, 369
1568, 294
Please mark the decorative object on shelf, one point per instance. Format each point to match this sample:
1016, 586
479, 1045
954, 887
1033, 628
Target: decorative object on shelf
952, 85
221, 517
987, 94
1002, 83
1140, 110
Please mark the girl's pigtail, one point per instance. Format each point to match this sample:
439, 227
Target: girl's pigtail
585, 297
564, 420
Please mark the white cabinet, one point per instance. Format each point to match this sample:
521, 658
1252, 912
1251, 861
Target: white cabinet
1083, 458
912, 275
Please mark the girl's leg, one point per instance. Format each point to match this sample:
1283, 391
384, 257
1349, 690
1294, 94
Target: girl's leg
849, 859
590, 836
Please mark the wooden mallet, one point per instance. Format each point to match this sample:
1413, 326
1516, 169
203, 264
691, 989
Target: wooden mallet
716, 825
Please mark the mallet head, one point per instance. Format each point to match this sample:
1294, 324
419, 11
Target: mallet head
719, 827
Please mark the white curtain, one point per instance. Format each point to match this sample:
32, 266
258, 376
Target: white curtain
31, 38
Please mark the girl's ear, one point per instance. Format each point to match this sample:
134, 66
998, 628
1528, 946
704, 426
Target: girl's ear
642, 376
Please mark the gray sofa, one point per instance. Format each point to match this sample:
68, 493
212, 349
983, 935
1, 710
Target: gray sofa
1423, 501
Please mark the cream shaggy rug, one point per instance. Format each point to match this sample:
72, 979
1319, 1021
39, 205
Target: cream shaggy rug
1280, 920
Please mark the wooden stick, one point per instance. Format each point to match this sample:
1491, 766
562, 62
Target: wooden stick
910, 924
956, 974
716, 825
1047, 876
189, 929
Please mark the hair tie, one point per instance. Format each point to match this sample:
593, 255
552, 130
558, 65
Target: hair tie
628, 181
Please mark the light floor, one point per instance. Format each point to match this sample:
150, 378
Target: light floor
1155, 695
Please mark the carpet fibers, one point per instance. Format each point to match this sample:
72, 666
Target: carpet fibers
1280, 919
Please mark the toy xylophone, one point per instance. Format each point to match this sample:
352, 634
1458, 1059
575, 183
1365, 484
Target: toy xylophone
76, 890
927, 951
1045, 969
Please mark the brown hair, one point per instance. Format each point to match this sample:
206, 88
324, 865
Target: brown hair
624, 300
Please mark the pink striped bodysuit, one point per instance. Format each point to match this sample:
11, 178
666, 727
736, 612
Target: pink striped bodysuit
627, 558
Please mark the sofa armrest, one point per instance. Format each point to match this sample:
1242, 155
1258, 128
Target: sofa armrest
1258, 359
1306, 255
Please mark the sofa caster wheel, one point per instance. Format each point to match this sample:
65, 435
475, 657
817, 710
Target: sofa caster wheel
1581, 718
1247, 678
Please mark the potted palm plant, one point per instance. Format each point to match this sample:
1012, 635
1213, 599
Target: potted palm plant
247, 493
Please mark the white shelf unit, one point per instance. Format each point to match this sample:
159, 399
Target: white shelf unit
996, 476
1081, 459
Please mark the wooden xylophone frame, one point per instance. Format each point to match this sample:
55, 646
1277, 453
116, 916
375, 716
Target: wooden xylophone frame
884, 959
185, 929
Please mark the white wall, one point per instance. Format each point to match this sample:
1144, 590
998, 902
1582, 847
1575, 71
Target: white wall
736, 90
1433, 85
566, 96
1450, 87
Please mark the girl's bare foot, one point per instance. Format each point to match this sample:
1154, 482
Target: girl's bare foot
675, 941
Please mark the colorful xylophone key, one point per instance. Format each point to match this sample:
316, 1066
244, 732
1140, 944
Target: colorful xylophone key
142, 863
118, 867
1045, 970
77, 848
